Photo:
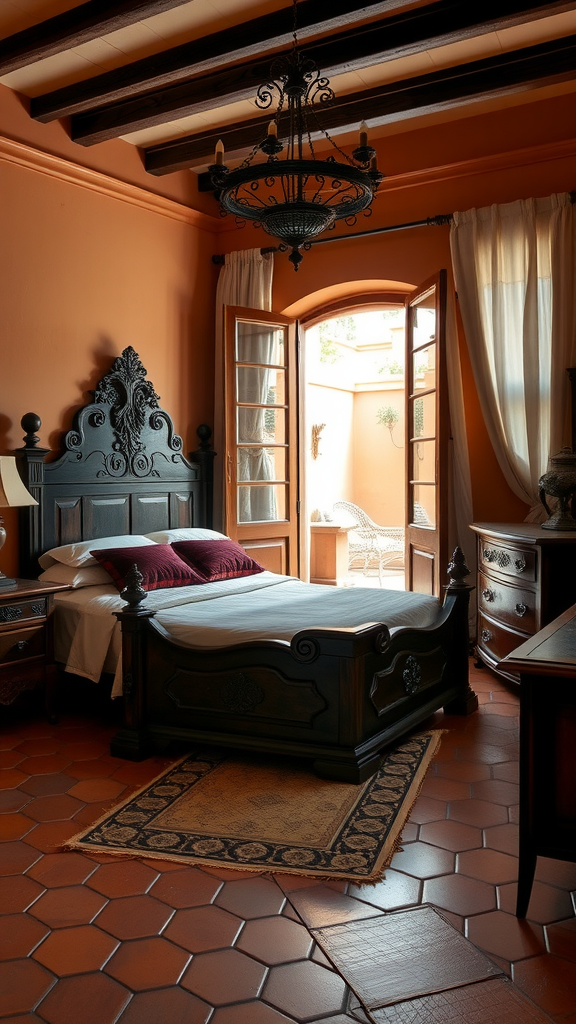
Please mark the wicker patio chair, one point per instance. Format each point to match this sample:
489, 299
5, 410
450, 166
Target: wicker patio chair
369, 543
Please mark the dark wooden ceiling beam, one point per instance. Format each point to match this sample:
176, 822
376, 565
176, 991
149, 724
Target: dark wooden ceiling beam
529, 68
227, 46
71, 28
116, 102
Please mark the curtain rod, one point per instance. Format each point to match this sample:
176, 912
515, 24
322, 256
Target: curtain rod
440, 218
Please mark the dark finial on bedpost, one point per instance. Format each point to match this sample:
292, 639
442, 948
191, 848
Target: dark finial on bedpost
458, 571
133, 592
30, 422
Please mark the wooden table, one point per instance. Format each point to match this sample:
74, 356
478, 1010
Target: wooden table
328, 553
547, 667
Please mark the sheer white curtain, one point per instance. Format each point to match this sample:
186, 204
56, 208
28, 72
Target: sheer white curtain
514, 267
245, 280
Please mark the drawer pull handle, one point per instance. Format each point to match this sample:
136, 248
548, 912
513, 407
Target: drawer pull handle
21, 645
10, 614
521, 609
520, 564
486, 636
488, 594
500, 557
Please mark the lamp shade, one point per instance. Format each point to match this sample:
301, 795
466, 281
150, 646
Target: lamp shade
12, 490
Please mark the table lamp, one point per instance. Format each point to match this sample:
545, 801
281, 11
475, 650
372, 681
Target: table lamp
13, 494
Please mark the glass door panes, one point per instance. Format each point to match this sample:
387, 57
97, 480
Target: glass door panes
262, 470
423, 441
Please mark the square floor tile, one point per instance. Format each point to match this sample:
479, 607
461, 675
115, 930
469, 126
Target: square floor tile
381, 959
491, 1002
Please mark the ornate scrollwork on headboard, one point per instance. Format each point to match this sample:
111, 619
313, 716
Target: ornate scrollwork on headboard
127, 404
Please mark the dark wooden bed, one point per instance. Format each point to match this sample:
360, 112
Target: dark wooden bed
335, 696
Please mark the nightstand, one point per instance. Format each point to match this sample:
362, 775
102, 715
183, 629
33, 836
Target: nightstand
526, 577
26, 641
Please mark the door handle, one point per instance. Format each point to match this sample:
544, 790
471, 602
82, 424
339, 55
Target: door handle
229, 467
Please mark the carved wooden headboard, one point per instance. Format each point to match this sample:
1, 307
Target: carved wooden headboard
120, 470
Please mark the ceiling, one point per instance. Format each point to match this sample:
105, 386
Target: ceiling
172, 78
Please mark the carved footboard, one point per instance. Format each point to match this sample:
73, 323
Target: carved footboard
335, 696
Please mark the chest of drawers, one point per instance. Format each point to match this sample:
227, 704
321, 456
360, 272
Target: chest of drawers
26, 647
526, 577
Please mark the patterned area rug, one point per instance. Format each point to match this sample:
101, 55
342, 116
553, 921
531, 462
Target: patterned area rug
268, 815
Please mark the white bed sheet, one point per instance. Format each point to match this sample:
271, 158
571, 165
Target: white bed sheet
266, 606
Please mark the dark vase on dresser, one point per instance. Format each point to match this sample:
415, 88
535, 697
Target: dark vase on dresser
526, 578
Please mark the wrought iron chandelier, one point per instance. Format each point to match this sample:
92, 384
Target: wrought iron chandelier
297, 197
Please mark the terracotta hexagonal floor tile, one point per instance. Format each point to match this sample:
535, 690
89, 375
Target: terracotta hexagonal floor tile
255, 1013
93, 790
75, 950
503, 838
17, 893
187, 888
508, 771
134, 917
320, 906
95, 768
481, 813
488, 865
45, 764
10, 758
251, 897
12, 800
19, 935
203, 929
172, 1005
224, 977
394, 891
421, 860
275, 940
547, 903
14, 826
461, 895
561, 938
440, 788
17, 857
68, 906
87, 998
464, 771
147, 963
84, 750
123, 878
56, 869
561, 873
48, 785
11, 778
549, 981
426, 809
505, 935
305, 990
53, 808
50, 835
486, 753
451, 835
34, 748
497, 791
22, 985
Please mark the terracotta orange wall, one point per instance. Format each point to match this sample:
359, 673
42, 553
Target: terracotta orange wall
84, 274
379, 457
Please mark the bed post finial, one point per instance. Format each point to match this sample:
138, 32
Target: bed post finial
30, 422
204, 456
458, 571
133, 592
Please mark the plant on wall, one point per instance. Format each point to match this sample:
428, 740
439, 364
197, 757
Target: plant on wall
388, 416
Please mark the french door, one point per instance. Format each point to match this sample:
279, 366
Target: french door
261, 436
427, 438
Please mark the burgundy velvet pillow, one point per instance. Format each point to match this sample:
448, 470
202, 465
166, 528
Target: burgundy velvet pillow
159, 564
217, 559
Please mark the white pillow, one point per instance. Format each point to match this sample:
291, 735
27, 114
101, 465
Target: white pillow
76, 576
79, 553
185, 533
